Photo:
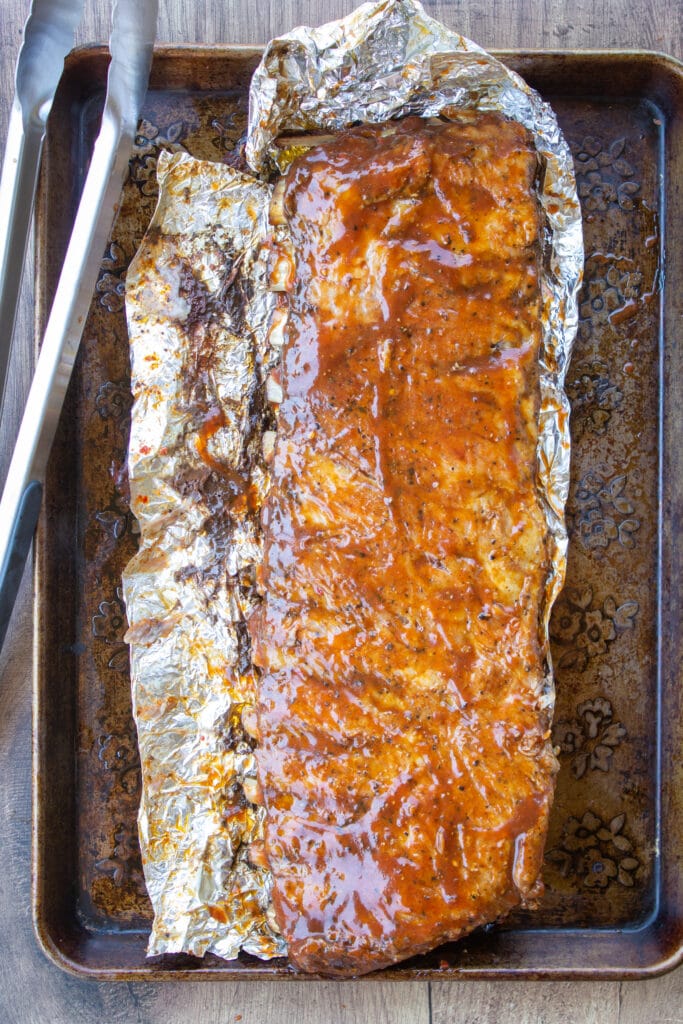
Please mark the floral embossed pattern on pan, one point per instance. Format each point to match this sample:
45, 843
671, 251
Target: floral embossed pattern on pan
611, 810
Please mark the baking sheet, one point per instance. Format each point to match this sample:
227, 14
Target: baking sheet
612, 812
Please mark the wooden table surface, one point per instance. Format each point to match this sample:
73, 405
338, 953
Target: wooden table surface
31, 989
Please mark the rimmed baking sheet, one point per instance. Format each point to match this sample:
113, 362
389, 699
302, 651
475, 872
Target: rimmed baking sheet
613, 904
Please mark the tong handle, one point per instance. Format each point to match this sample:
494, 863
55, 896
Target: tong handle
17, 551
48, 36
17, 189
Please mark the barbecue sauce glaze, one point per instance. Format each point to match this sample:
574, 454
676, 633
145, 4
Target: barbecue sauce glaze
404, 753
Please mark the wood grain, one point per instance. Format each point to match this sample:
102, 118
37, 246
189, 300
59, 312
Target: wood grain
31, 989
539, 1003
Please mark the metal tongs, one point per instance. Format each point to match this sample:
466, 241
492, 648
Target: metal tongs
48, 35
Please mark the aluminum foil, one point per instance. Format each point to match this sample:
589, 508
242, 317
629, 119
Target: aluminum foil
201, 321
195, 358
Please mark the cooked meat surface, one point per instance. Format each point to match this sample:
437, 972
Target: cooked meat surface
404, 753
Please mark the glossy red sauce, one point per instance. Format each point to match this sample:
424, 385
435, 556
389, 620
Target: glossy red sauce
404, 754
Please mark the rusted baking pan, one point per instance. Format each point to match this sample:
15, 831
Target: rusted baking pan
614, 883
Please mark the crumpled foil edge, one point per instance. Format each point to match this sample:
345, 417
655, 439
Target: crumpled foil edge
194, 375
387, 59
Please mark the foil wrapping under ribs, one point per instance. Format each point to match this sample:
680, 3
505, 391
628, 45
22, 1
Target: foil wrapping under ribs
201, 323
197, 311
